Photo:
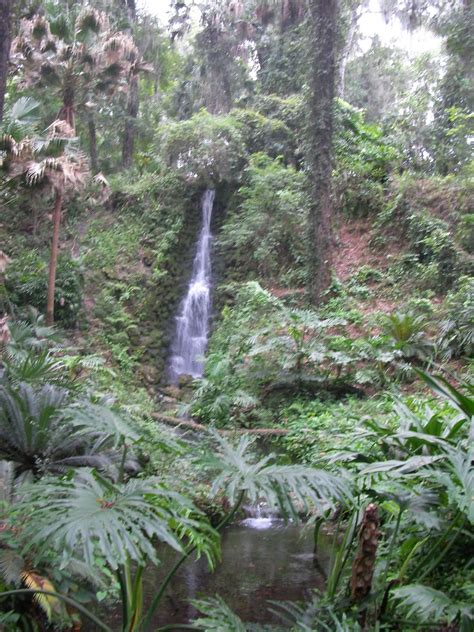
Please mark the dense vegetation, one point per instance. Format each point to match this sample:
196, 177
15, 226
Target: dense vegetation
337, 390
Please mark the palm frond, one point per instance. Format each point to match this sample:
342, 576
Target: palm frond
34, 367
90, 21
48, 603
24, 110
94, 417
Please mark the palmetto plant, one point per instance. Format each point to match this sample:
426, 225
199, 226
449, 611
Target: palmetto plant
407, 331
51, 162
21, 118
76, 60
31, 335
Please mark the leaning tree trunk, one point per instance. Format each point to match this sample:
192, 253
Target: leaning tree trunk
5, 16
323, 76
53, 261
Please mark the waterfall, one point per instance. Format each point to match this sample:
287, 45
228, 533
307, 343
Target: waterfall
260, 516
192, 323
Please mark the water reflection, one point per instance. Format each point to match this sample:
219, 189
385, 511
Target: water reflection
259, 564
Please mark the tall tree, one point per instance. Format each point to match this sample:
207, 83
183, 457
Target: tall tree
91, 60
54, 163
5, 11
352, 14
80, 62
324, 15
133, 101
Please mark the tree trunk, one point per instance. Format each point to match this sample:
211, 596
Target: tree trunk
323, 76
133, 105
53, 262
68, 112
92, 143
5, 16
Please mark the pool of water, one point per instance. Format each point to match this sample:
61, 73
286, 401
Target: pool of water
262, 560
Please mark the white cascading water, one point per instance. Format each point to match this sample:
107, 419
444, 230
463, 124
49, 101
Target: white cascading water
192, 326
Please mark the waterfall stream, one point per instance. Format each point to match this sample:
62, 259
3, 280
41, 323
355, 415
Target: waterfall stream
192, 322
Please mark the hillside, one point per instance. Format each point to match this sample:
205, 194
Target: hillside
236, 317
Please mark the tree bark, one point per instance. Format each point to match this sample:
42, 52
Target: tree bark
92, 143
133, 105
5, 34
53, 262
323, 76
68, 111
133, 102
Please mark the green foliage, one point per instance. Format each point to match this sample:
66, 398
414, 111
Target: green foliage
408, 332
317, 427
20, 119
284, 61
264, 135
364, 159
289, 488
265, 234
429, 604
456, 331
423, 216
264, 351
217, 616
88, 514
205, 148
42, 433
27, 281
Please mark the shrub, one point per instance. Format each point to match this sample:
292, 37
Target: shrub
203, 148
457, 332
363, 161
26, 283
264, 235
